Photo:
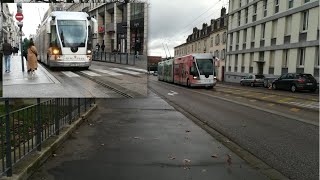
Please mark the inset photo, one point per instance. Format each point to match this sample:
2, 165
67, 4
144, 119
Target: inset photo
75, 50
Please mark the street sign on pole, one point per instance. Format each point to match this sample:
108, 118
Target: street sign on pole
19, 16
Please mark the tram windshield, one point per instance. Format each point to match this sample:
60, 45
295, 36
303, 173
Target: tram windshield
205, 66
73, 33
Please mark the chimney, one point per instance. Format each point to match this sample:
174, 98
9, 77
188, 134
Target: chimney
223, 11
195, 29
204, 25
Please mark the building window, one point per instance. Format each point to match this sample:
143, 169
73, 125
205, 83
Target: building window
238, 38
251, 60
276, 6
288, 25
211, 42
253, 32
263, 27
231, 39
290, 4
272, 58
236, 61
285, 58
305, 20
217, 39
274, 28
246, 15
305, 1
222, 53
224, 38
242, 60
245, 35
239, 18
265, 7
240, 3
302, 54
254, 15
261, 56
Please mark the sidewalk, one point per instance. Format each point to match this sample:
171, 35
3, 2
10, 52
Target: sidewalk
17, 77
139, 139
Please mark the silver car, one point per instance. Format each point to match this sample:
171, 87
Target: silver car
252, 80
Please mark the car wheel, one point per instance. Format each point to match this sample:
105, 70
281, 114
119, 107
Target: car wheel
274, 86
293, 88
252, 84
241, 84
313, 90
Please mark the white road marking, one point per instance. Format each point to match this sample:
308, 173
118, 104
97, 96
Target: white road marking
112, 73
125, 71
172, 93
137, 69
70, 74
90, 73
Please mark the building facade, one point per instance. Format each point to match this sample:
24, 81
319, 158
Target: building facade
210, 39
272, 37
123, 27
10, 31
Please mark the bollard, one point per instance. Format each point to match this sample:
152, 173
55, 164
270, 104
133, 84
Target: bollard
39, 127
127, 58
79, 107
8, 139
70, 111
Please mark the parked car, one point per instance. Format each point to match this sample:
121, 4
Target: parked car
268, 82
155, 73
295, 82
252, 80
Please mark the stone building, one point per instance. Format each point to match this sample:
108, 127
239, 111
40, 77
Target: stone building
210, 39
123, 27
272, 37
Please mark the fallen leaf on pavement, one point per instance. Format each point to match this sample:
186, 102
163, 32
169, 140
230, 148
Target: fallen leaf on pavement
229, 159
137, 138
204, 170
186, 167
187, 130
102, 144
214, 155
54, 155
90, 124
187, 161
172, 157
227, 140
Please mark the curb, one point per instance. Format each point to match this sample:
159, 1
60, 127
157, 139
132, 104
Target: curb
275, 102
251, 159
38, 158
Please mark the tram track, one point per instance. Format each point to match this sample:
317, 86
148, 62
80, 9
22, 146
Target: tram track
117, 90
309, 97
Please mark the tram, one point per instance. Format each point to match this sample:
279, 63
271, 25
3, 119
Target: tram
194, 70
64, 39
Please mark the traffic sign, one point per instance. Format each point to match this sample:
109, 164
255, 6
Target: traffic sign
19, 16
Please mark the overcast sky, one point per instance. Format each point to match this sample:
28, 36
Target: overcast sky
171, 21
32, 13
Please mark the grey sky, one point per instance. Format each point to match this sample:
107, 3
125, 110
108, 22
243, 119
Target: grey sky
32, 13
171, 21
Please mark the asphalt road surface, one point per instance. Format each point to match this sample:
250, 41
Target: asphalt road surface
288, 145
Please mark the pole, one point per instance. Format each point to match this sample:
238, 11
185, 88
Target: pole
22, 62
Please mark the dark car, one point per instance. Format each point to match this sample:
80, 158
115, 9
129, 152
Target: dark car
295, 82
268, 82
252, 80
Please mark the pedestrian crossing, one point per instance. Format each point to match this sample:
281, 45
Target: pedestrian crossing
94, 72
314, 105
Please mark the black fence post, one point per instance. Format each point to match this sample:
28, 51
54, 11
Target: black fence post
8, 139
85, 104
70, 110
39, 128
56, 119
134, 60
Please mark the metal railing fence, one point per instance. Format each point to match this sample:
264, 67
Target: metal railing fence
23, 130
119, 58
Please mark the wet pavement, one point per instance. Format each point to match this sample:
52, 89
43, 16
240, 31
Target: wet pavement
143, 138
47, 83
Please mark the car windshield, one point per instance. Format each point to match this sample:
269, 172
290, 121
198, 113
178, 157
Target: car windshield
205, 66
259, 76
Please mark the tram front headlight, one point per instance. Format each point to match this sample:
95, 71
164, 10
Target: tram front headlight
55, 51
89, 51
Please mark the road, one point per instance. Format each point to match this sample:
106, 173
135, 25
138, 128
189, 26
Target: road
143, 139
290, 145
101, 80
